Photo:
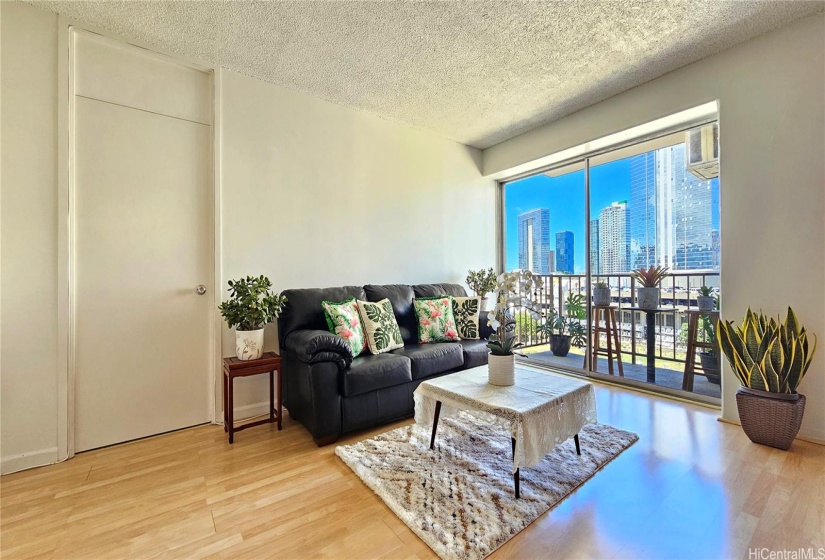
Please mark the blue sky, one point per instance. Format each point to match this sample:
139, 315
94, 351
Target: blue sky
564, 196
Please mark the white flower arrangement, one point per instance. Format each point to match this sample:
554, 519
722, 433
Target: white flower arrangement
515, 289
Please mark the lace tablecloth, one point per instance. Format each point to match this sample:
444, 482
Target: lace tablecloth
541, 410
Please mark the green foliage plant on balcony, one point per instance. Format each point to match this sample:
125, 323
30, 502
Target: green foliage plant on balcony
765, 353
569, 324
650, 277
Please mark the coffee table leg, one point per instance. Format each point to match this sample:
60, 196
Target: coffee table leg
515, 475
435, 423
578, 448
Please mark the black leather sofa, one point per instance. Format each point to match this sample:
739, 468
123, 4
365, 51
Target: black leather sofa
332, 393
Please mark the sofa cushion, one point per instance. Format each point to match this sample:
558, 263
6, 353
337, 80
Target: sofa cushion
431, 359
466, 312
401, 298
434, 290
372, 372
380, 326
343, 320
475, 353
303, 309
436, 322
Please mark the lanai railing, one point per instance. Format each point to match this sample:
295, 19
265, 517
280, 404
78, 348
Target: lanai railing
679, 291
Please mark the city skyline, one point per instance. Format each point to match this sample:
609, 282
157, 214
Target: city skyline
670, 217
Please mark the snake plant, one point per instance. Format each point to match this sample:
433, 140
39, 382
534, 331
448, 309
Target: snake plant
765, 353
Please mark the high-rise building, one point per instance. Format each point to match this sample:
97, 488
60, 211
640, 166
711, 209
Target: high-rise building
614, 237
642, 210
534, 241
594, 247
671, 212
564, 252
551, 262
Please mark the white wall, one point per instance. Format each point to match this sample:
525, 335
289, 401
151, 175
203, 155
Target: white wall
28, 236
317, 195
313, 194
771, 92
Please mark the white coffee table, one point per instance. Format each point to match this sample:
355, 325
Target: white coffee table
541, 410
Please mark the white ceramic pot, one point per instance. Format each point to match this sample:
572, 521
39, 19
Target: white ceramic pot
249, 345
647, 298
502, 370
705, 303
485, 304
601, 297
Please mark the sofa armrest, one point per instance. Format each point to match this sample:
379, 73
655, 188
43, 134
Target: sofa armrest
315, 346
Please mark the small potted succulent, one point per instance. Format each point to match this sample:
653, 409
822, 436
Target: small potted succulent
705, 300
769, 358
482, 282
647, 296
566, 330
251, 306
601, 294
515, 291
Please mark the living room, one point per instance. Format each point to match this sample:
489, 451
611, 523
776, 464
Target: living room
358, 145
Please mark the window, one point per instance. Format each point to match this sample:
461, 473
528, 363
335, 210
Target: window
646, 204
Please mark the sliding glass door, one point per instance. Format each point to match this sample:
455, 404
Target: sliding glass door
545, 233
644, 205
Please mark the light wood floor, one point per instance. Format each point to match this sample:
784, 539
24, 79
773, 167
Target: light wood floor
690, 488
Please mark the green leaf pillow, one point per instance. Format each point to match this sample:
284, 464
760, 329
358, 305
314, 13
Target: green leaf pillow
436, 322
381, 328
466, 311
343, 320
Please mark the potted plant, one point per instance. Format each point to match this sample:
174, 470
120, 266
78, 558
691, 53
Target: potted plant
705, 300
566, 330
770, 358
710, 358
647, 296
251, 306
601, 294
514, 291
482, 282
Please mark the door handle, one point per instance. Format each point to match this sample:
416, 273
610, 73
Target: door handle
201, 289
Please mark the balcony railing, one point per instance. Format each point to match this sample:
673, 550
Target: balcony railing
678, 294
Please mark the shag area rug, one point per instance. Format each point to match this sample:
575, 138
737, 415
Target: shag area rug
459, 498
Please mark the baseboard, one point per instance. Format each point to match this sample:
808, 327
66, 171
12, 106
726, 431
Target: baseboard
809, 439
30, 460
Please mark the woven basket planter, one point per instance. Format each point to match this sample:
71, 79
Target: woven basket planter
771, 419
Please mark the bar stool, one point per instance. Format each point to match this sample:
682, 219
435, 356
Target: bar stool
613, 349
693, 344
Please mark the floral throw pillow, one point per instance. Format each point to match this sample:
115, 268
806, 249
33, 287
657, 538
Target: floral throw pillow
380, 325
343, 320
466, 311
436, 322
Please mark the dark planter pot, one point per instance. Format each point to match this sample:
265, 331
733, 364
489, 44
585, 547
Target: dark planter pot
560, 345
771, 419
710, 365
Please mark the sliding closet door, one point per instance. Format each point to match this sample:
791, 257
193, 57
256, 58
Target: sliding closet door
142, 193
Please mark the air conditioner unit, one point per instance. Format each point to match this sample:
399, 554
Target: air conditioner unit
703, 151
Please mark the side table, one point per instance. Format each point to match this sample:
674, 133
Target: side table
651, 339
233, 368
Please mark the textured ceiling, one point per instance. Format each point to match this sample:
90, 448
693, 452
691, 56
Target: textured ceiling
473, 71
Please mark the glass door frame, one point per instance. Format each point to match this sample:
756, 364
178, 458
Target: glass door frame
585, 160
